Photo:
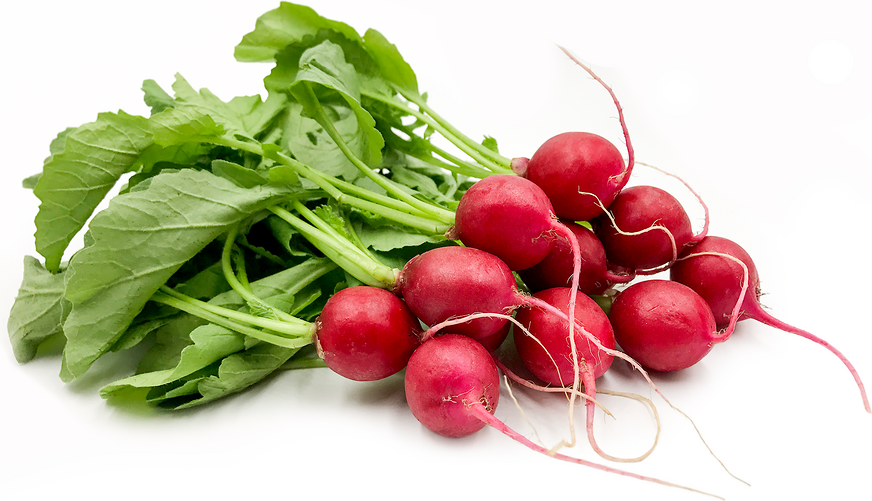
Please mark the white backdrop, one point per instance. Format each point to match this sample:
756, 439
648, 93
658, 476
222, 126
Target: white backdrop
764, 107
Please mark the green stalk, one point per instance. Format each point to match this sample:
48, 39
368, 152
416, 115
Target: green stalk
243, 289
474, 150
303, 363
423, 106
389, 208
292, 327
303, 335
454, 163
322, 225
389, 186
387, 202
342, 252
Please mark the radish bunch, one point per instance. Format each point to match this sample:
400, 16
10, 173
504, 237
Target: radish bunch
324, 219
466, 296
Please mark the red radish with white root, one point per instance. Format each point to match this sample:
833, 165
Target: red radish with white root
715, 268
645, 229
580, 172
452, 388
548, 355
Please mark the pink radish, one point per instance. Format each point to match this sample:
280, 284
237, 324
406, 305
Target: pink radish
663, 325
366, 333
711, 269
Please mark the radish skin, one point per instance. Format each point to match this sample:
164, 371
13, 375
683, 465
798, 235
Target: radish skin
663, 325
706, 269
366, 333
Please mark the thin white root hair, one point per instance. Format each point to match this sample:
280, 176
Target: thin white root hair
653, 227
649, 403
526, 383
704, 231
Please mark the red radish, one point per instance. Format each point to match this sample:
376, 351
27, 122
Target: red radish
548, 355
445, 377
711, 269
663, 325
452, 388
448, 282
646, 228
717, 279
509, 217
579, 171
366, 333
551, 355
556, 269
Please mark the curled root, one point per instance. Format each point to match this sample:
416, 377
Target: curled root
702, 234
630, 153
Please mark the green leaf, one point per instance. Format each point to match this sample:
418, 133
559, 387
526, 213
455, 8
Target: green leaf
240, 371
241, 176
30, 181
94, 156
181, 124
284, 26
139, 241
491, 144
310, 144
393, 67
291, 240
77, 179
386, 238
38, 311
243, 117
436, 184
324, 70
210, 344
186, 346
155, 97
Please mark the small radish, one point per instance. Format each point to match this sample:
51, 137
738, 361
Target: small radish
446, 377
452, 388
646, 228
580, 172
577, 169
366, 333
663, 325
509, 217
548, 355
556, 269
712, 269
449, 282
